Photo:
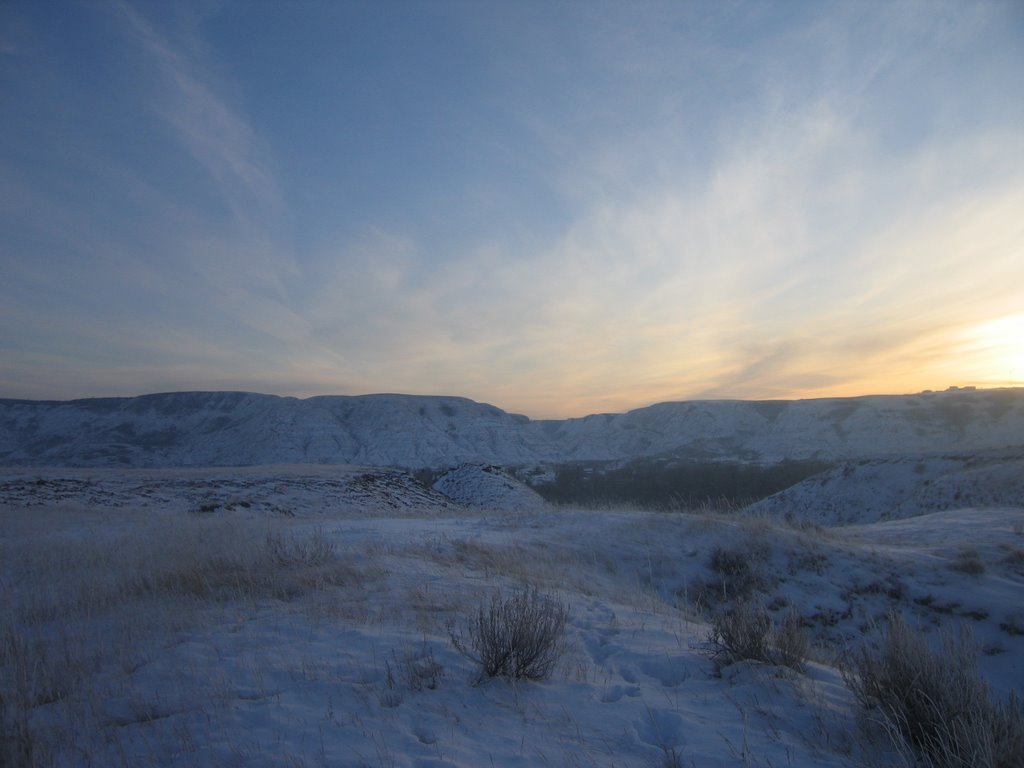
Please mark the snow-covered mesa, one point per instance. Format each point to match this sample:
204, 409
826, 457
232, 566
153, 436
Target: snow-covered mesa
236, 429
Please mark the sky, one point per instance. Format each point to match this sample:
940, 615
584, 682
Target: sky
559, 208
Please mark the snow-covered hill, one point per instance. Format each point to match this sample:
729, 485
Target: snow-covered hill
233, 428
873, 490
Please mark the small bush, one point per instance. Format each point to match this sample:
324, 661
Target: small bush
739, 575
935, 700
520, 636
740, 633
745, 632
968, 561
730, 562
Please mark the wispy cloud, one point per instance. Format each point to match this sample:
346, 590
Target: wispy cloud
209, 125
733, 290
240, 265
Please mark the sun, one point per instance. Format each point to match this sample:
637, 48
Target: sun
999, 345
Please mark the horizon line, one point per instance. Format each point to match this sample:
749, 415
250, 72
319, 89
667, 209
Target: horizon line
949, 389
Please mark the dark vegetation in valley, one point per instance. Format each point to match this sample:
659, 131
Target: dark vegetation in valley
657, 484
661, 485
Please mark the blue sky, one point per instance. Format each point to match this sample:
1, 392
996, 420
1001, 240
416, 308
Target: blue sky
556, 207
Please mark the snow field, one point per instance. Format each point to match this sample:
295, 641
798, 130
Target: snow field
243, 637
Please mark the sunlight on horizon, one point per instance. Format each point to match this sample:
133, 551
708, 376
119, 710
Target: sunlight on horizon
1000, 349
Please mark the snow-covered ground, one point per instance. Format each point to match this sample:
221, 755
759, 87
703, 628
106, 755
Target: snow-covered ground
300, 616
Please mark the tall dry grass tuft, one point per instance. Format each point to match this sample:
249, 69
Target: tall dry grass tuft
935, 701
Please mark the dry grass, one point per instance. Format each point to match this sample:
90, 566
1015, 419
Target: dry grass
79, 602
935, 701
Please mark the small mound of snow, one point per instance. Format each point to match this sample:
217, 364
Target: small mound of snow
487, 487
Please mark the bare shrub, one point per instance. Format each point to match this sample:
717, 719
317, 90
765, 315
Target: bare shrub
935, 700
519, 636
731, 563
739, 574
745, 633
740, 633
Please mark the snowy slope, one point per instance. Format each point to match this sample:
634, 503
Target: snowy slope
873, 490
826, 428
234, 429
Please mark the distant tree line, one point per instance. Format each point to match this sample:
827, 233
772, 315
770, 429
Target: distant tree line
663, 485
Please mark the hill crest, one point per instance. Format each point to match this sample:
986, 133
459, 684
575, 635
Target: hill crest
241, 428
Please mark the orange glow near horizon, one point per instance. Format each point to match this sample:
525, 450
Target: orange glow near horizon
1000, 349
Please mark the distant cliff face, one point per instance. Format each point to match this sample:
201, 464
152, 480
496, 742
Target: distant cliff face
236, 428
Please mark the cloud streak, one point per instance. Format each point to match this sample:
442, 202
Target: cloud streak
214, 131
